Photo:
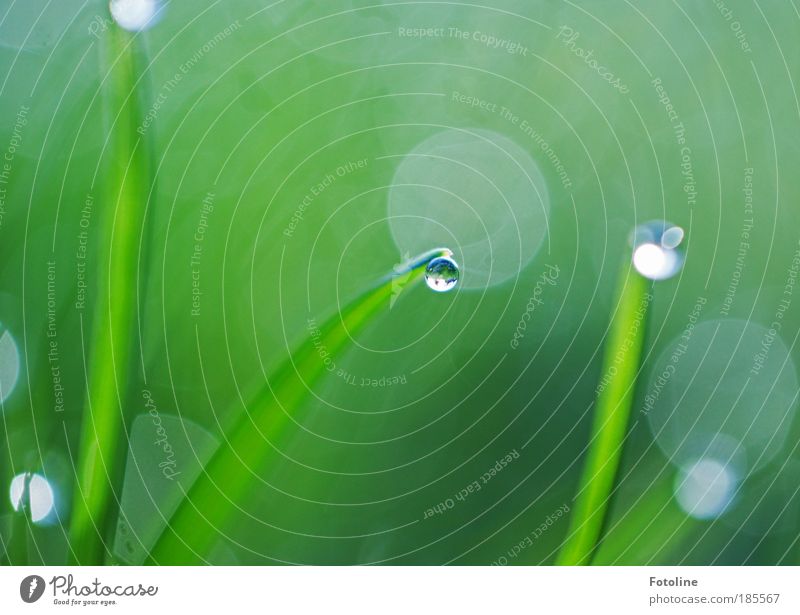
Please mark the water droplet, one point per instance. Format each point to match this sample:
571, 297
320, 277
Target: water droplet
441, 274
135, 15
705, 488
477, 191
32, 492
9, 364
657, 252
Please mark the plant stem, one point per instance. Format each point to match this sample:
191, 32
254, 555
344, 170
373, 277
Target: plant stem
109, 353
18, 552
621, 363
193, 529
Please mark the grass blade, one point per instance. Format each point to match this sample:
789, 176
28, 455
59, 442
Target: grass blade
621, 362
192, 531
111, 339
18, 552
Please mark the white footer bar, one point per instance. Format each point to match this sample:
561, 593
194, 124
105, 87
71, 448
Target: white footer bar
401, 590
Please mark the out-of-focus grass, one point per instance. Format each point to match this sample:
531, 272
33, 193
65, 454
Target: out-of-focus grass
21, 526
109, 355
621, 365
194, 528
653, 529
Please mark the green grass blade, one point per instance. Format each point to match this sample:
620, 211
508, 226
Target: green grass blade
193, 529
109, 352
18, 553
621, 362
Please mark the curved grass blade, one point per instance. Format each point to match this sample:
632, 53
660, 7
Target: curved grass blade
108, 362
154, 485
621, 362
193, 529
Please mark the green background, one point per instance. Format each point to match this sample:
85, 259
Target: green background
300, 88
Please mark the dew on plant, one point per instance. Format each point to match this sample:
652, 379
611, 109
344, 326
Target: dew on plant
477, 191
135, 15
705, 488
657, 251
9, 364
33, 494
442, 274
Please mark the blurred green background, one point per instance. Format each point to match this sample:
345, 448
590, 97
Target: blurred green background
273, 98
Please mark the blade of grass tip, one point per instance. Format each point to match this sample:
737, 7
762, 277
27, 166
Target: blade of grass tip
193, 528
621, 362
108, 358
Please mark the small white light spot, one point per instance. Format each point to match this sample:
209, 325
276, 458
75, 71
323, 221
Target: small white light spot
654, 262
672, 237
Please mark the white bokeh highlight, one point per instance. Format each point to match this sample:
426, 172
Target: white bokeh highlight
9, 364
656, 250
705, 489
40, 496
134, 15
654, 262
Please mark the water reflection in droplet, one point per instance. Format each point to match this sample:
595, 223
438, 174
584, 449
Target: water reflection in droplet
442, 274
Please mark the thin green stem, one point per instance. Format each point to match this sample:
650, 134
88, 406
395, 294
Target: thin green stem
621, 363
193, 529
108, 359
18, 549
